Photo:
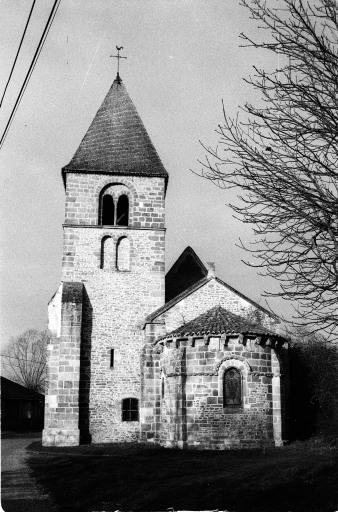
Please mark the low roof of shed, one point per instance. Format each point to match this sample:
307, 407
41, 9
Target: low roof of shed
13, 391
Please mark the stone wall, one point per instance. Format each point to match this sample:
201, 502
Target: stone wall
191, 411
119, 296
212, 293
61, 426
146, 198
188, 409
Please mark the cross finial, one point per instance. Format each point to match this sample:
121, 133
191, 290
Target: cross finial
118, 57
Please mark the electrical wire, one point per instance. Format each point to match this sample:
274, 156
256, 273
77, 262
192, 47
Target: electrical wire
18, 51
31, 68
21, 359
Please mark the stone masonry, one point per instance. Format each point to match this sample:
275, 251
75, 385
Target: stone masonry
190, 412
182, 396
117, 301
123, 365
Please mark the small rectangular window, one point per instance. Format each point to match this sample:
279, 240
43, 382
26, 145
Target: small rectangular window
130, 409
112, 358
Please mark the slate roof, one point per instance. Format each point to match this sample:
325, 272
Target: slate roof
117, 141
218, 320
186, 271
72, 292
13, 391
162, 309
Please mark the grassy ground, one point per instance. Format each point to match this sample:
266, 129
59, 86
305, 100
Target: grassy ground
297, 478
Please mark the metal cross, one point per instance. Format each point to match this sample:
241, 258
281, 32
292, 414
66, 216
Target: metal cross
118, 57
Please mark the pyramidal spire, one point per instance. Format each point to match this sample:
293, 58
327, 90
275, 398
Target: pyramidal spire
117, 141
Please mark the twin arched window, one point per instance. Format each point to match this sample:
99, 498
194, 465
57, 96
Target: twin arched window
111, 216
115, 258
232, 388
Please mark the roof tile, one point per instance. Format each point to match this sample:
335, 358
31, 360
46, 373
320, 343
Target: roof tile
218, 320
117, 141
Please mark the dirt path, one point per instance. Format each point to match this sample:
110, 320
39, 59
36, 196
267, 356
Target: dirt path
19, 491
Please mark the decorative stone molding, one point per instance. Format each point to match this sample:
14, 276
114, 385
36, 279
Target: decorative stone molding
241, 364
192, 374
237, 361
113, 180
225, 338
263, 374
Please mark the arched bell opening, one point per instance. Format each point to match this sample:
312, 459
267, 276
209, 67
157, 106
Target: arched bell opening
122, 213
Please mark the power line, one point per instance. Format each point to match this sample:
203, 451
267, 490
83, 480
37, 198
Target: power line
31, 68
11, 365
18, 51
23, 359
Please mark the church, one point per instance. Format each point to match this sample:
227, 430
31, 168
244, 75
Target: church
180, 359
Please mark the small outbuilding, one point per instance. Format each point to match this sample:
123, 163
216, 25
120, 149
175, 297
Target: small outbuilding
21, 408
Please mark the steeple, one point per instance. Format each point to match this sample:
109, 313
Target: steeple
117, 141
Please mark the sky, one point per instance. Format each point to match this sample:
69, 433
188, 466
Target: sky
183, 59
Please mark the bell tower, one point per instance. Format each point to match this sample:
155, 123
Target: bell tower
112, 278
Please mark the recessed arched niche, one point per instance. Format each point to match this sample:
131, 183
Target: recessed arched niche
107, 253
123, 254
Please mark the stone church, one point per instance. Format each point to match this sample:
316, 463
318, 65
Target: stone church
180, 359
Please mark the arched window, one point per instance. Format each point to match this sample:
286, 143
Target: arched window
130, 409
122, 214
107, 253
232, 388
123, 254
107, 211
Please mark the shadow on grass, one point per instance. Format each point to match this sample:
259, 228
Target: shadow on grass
132, 477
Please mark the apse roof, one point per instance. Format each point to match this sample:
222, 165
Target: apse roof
117, 141
218, 320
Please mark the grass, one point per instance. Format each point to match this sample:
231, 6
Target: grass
296, 478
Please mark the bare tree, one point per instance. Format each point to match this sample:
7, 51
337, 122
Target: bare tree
282, 155
25, 357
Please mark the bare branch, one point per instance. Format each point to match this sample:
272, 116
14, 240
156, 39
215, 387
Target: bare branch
26, 357
282, 156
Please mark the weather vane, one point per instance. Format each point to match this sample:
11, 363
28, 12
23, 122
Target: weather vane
118, 57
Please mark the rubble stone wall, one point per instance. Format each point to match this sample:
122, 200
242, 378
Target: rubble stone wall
189, 408
118, 300
211, 294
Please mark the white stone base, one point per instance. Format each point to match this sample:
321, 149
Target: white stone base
279, 443
60, 437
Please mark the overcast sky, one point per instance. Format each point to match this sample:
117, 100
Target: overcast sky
183, 59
